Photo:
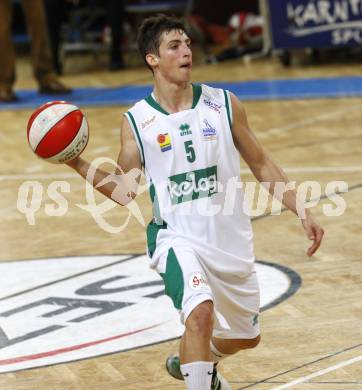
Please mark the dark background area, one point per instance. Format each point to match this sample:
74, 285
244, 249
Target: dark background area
220, 12
213, 12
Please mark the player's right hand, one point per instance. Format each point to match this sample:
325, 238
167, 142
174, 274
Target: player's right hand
314, 232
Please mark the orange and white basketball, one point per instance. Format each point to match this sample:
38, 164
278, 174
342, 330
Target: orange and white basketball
57, 131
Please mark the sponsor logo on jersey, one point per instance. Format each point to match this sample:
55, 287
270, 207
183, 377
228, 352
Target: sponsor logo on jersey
164, 140
198, 281
213, 105
209, 132
58, 310
188, 186
185, 129
148, 122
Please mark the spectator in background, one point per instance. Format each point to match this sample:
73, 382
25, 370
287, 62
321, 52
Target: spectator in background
243, 34
246, 36
40, 52
59, 11
115, 19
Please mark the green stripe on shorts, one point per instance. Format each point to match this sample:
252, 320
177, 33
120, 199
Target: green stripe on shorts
173, 279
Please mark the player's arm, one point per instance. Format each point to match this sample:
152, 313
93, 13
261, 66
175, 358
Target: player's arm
120, 186
265, 170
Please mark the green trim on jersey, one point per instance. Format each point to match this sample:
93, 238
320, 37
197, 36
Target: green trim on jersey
156, 224
152, 231
196, 93
135, 130
155, 205
152, 102
228, 108
173, 279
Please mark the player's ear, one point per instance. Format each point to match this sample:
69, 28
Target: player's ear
152, 59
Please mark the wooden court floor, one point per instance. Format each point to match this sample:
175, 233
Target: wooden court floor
314, 337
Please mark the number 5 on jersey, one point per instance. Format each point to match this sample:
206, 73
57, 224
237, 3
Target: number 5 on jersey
190, 151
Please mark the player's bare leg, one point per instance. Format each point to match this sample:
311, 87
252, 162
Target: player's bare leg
231, 346
195, 352
223, 348
197, 366
196, 363
195, 342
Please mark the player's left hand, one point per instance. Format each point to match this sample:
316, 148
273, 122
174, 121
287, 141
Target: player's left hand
314, 232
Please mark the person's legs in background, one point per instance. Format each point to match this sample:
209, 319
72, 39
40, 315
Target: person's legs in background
56, 11
115, 16
40, 50
7, 53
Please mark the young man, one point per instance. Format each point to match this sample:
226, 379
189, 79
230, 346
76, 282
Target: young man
188, 139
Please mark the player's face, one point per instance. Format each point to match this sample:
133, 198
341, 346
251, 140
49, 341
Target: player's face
175, 56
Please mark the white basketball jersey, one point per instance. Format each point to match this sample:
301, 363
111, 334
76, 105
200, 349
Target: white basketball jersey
193, 171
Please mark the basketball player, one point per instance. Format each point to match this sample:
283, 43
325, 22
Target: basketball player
188, 139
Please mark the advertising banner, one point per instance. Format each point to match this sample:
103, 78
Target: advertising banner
315, 23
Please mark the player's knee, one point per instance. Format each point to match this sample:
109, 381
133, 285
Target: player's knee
238, 345
201, 320
251, 343
254, 342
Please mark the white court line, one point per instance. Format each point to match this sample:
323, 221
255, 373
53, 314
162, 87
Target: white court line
352, 169
101, 149
64, 175
33, 169
318, 118
260, 135
39, 176
325, 169
263, 134
318, 373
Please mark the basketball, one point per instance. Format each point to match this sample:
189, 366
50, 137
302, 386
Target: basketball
57, 132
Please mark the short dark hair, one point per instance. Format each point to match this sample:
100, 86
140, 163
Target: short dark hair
151, 29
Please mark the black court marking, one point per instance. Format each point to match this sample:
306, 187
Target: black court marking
356, 186
70, 277
301, 366
295, 281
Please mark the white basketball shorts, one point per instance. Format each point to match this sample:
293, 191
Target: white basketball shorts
189, 280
